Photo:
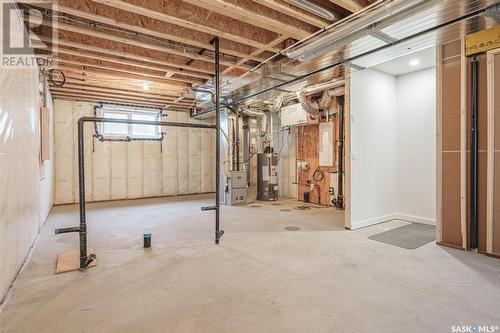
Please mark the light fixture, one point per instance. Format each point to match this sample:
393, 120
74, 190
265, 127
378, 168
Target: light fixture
169, 74
145, 86
414, 62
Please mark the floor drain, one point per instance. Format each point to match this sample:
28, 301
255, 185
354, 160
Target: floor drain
292, 228
285, 210
255, 206
276, 204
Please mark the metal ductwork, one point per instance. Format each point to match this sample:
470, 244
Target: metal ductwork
314, 9
301, 95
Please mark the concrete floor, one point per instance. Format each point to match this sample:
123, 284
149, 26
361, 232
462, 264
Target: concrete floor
261, 278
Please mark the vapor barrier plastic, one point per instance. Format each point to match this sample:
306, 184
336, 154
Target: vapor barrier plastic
128, 170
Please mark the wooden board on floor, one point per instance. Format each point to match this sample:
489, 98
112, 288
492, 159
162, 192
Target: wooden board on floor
70, 261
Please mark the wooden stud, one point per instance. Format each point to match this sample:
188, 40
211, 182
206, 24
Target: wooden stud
463, 143
347, 148
491, 150
439, 145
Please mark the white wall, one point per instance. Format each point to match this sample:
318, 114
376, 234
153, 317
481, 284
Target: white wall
416, 145
183, 163
373, 147
392, 147
25, 196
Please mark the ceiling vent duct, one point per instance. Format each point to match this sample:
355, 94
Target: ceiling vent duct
314, 9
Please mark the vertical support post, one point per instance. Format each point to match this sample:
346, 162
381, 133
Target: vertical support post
81, 177
218, 232
474, 185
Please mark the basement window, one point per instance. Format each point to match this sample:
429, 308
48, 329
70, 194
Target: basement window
128, 132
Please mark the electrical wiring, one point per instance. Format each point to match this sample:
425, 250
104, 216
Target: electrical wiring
319, 172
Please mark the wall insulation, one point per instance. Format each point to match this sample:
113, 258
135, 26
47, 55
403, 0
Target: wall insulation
26, 191
183, 163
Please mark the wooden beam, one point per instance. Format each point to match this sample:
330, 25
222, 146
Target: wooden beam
125, 71
292, 12
84, 91
136, 95
123, 5
165, 96
138, 43
127, 63
105, 97
347, 5
118, 76
102, 99
190, 70
242, 61
137, 29
256, 19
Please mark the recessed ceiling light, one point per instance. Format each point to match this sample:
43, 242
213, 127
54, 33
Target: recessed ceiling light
414, 62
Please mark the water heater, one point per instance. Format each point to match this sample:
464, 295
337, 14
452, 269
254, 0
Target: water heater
267, 176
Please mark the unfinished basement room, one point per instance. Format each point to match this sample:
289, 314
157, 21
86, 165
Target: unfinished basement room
250, 166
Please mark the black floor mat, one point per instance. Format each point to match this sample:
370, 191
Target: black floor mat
410, 236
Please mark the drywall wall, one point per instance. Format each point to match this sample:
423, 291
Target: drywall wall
373, 147
393, 136
416, 146
26, 182
183, 163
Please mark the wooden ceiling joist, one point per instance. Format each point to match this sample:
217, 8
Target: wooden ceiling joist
138, 43
254, 18
137, 29
123, 5
79, 98
101, 92
347, 5
129, 63
187, 70
124, 71
102, 87
258, 51
105, 97
292, 12
84, 70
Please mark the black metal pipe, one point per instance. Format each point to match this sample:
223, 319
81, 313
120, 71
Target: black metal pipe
339, 201
144, 122
218, 232
81, 177
67, 230
86, 259
474, 156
